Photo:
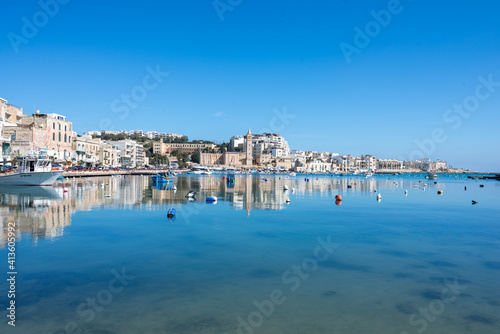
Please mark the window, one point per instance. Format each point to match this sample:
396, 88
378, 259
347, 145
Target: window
65, 138
59, 137
53, 136
54, 125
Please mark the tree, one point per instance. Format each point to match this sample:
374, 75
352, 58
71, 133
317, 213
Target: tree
195, 157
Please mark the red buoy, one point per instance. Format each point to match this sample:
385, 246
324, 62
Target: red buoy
338, 198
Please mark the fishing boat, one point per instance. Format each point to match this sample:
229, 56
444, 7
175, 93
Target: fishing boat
31, 171
200, 170
432, 176
162, 178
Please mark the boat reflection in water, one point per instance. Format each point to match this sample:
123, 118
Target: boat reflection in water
44, 212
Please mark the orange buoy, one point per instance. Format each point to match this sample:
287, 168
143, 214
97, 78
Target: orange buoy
338, 198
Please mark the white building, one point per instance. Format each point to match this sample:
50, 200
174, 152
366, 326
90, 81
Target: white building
237, 143
265, 143
441, 164
389, 164
130, 153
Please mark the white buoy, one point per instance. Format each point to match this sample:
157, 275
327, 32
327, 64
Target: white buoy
293, 190
406, 192
285, 187
175, 188
379, 196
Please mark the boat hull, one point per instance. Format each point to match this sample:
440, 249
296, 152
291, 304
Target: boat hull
30, 179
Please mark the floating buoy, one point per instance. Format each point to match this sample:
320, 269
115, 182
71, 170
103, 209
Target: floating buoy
175, 188
481, 186
285, 187
474, 202
287, 201
379, 196
465, 188
440, 192
171, 213
406, 192
338, 198
293, 190
211, 199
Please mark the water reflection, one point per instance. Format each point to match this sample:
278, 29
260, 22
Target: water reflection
44, 212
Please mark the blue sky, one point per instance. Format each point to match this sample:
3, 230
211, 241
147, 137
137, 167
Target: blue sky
225, 76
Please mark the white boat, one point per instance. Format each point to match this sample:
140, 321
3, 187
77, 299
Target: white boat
200, 170
31, 171
292, 174
432, 176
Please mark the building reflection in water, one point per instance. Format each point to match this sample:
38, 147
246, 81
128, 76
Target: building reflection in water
44, 212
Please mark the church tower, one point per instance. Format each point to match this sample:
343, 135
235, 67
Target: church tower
248, 149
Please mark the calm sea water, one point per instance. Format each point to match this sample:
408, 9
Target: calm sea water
99, 255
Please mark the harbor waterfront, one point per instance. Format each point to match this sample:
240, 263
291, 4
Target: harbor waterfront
273, 254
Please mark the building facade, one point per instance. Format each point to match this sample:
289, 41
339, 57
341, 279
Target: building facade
130, 153
167, 148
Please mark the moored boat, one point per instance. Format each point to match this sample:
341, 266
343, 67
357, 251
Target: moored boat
31, 171
162, 178
432, 176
